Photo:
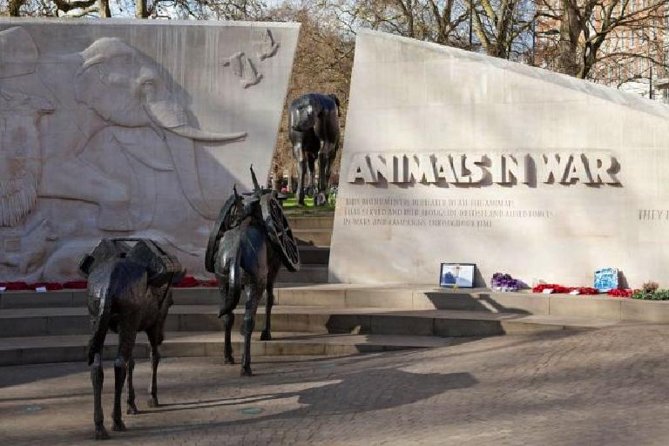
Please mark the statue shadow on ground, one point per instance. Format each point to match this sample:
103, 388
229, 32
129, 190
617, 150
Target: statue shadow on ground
360, 391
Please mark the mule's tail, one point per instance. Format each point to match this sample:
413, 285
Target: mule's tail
99, 324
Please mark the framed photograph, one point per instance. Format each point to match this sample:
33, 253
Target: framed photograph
457, 275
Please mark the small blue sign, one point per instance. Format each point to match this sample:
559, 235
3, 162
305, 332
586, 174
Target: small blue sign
606, 279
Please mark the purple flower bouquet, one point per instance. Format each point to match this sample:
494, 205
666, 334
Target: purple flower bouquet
504, 282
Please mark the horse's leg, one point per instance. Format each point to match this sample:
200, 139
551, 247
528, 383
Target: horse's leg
324, 162
301, 158
155, 359
132, 408
311, 166
266, 334
97, 374
253, 293
127, 335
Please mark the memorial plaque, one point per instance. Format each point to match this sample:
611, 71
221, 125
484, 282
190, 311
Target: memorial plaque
455, 155
130, 128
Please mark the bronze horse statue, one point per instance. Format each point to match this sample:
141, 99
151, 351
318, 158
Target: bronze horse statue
128, 291
248, 244
314, 134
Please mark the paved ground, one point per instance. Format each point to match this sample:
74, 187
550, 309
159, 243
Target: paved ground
605, 387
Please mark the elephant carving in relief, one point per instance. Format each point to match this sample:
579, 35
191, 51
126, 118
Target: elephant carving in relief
144, 121
115, 121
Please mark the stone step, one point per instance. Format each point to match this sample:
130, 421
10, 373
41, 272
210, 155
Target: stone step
311, 274
308, 222
35, 350
383, 321
314, 255
77, 298
290, 293
313, 237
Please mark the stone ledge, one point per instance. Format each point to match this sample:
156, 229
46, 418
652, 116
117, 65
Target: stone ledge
397, 296
477, 299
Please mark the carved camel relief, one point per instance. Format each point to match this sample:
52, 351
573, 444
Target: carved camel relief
114, 108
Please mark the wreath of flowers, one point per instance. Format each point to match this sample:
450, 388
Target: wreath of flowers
186, 282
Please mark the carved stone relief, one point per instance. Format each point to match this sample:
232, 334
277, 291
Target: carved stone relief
104, 139
244, 69
20, 154
243, 66
267, 46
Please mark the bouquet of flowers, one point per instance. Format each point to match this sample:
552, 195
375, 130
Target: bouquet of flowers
504, 282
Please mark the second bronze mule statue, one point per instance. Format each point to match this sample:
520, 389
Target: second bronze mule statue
248, 244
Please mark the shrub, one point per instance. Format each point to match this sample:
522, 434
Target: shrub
650, 291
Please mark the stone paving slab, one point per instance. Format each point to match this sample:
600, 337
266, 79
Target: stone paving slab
604, 387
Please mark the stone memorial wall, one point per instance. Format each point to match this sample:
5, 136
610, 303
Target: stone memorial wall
451, 156
130, 129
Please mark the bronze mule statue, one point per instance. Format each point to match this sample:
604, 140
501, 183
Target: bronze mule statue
247, 245
128, 291
314, 134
